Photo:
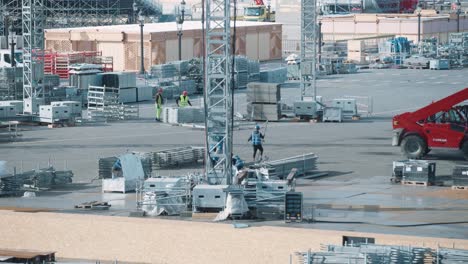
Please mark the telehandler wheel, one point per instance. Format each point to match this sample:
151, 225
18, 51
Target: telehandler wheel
464, 149
414, 147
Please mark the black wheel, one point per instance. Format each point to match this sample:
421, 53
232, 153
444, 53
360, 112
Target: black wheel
414, 147
464, 149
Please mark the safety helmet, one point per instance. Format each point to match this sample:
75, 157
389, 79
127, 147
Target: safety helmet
257, 127
185, 93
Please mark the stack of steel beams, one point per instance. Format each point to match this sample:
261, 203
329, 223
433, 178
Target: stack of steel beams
275, 75
263, 101
177, 157
372, 253
303, 163
164, 71
105, 167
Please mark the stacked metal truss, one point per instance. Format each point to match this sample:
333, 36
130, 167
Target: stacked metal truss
371, 253
281, 168
103, 105
36, 179
176, 157
218, 91
11, 88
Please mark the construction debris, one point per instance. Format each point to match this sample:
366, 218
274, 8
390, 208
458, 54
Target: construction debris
94, 205
126, 173
41, 179
164, 196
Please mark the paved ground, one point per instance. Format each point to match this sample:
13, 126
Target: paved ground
356, 154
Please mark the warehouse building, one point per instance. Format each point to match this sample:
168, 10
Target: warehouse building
351, 26
257, 40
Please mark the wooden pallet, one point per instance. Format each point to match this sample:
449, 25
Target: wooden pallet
416, 183
94, 205
416, 67
460, 188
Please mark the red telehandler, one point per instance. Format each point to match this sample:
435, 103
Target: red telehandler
441, 124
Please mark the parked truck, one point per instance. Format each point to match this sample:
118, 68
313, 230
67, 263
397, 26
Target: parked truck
259, 12
5, 58
441, 124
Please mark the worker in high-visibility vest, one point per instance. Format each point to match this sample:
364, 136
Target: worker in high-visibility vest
256, 137
183, 100
159, 104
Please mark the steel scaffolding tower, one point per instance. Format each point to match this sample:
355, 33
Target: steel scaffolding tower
218, 92
11, 8
81, 13
308, 48
33, 38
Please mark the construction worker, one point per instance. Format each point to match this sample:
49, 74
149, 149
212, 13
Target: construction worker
183, 100
159, 103
256, 137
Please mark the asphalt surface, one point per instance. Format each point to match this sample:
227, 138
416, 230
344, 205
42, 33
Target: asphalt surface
357, 155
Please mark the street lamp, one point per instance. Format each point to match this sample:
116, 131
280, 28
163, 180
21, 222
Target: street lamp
320, 37
458, 10
179, 22
141, 19
268, 10
418, 11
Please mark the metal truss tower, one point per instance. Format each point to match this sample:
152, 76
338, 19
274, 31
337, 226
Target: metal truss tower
33, 42
218, 92
308, 48
83, 13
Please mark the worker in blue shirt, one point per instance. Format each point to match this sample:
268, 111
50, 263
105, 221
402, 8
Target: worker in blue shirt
256, 137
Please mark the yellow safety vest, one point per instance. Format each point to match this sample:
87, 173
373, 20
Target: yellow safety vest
159, 99
183, 102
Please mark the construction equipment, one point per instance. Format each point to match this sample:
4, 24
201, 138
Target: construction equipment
441, 124
259, 12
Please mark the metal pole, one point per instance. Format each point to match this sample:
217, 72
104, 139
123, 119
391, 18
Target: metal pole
6, 29
12, 51
268, 14
458, 20
142, 67
179, 34
320, 41
419, 27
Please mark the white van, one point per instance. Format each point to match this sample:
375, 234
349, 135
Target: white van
5, 58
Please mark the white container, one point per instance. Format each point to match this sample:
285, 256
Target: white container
52, 114
127, 95
332, 114
348, 106
209, 196
144, 93
75, 106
